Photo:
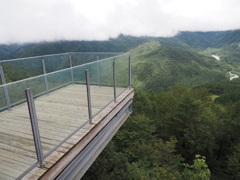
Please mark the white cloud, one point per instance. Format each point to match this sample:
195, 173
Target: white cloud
37, 20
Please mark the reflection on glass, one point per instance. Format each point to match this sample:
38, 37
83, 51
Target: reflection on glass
106, 72
59, 79
56, 62
122, 74
2, 98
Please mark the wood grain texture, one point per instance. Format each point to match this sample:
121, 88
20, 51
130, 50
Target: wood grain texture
59, 114
90, 132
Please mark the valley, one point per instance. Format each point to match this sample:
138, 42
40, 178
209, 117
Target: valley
233, 76
216, 57
185, 121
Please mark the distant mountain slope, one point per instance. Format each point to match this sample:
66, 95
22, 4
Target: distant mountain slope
230, 37
192, 40
228, 91
158, 66
8, 49
212, 39
198, 39
158, 62
121, 44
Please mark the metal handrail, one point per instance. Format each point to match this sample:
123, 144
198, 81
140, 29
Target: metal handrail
31, 106
66, 69
50, 55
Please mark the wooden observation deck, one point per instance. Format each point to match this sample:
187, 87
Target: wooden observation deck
74, 123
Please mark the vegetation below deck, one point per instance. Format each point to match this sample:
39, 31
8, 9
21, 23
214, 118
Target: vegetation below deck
185, 122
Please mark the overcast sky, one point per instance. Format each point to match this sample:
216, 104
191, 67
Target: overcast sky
48, 20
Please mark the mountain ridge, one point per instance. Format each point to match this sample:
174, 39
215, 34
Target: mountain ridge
160, 67
186, 39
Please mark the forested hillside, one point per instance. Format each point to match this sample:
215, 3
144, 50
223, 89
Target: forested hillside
8, 49
185, 121
179, 134
157, 66
120, 44
226, 92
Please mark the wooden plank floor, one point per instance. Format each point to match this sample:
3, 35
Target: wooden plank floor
59, 114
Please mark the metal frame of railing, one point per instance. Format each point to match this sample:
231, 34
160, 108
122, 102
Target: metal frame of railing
45, 76
40, 61
68, 53
34, 125
31, 105
4, 87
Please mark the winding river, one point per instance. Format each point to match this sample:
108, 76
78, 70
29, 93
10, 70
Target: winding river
232, 76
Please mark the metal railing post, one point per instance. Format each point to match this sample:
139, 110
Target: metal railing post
129, 73
34, 124
45, 76
88, 96
71, 65
114, 81
99, 77
4, 87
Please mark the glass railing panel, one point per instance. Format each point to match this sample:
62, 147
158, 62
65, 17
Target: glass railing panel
56, 62
3, 103
107, 55
15, 70
37, 85
93, 73
122, 73
82, 58
106, 72
59, 79
79, 75
60, 114
18, 69
101, 81
16, 90
17, 146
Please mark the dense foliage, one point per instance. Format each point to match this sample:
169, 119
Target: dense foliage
174, 132
179, 134
120, 44
157, 66
15, 73
8, 49
226, 92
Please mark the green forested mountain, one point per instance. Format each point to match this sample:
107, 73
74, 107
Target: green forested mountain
192, 40
226, 92
120, 44
185, 122
157, 66
180, 134
230, 37
8, 49
213, 39
200, 39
